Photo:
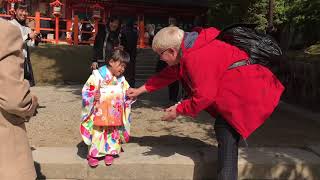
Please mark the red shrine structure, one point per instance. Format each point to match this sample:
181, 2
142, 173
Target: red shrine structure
72, 12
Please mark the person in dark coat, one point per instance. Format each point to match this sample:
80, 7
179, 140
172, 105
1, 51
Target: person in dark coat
107, 39
129, 36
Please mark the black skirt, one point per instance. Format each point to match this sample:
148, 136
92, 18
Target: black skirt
28, 72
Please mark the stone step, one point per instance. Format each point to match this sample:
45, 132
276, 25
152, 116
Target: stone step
143, 161
145, 71
144, 76
148, 62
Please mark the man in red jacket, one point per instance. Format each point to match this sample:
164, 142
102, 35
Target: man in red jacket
219, 80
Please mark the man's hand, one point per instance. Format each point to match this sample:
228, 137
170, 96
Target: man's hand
94, 66
33, 35
133, 93
171, 114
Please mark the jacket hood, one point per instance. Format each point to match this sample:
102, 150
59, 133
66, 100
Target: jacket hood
199, 38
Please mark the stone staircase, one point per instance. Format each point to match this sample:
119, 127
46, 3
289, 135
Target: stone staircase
146, 64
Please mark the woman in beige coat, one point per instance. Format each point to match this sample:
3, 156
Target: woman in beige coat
17, 105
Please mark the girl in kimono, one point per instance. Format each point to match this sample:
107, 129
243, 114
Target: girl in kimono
103, 103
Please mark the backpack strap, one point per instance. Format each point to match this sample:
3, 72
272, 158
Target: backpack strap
239, 63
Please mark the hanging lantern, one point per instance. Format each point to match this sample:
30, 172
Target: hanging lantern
96, 13
56, 8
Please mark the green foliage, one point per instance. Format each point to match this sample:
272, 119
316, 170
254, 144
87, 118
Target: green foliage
257, 13
295, 12
222, 13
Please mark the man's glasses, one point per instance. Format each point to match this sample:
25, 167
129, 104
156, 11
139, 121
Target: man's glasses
164, 51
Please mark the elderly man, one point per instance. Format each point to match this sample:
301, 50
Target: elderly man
17, 105
220, 80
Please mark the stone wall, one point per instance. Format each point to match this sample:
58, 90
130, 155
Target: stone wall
301, 78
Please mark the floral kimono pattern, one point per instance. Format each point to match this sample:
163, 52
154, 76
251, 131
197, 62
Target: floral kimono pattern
103, 140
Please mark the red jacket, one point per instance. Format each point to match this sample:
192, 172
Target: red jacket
244, 96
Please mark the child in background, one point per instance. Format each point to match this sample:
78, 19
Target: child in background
105, 112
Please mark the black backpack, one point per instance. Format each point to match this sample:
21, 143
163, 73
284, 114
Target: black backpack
261, 48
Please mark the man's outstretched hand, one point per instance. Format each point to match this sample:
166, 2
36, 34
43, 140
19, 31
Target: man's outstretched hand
171, 113
133, 93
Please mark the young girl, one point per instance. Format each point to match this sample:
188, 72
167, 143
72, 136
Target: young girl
105, 112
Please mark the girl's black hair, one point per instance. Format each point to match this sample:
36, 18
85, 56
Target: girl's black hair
119, 55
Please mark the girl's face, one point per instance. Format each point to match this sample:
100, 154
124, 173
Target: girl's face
116, 67
114, 25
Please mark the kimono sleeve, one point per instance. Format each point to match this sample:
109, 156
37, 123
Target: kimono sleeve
167, 76
88, 92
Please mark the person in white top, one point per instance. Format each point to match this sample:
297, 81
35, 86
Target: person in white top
29, 38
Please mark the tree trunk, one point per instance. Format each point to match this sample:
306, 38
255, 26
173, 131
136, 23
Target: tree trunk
270, 18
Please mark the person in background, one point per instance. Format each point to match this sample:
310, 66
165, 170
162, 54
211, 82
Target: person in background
107, 40
129, 38
87, 27
29, 38
2, 8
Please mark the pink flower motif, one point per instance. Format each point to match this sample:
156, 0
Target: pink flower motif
90, 94
126, 136
94, 152
114, 152
115, 134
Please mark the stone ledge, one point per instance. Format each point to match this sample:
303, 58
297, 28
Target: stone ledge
168, 162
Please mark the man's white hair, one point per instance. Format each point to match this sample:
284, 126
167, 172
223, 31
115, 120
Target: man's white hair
168, 37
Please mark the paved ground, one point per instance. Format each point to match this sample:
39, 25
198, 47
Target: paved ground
57, 124
285, 147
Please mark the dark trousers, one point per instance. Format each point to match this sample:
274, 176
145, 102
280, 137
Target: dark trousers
174, 91
228, 141
28, 72
174, 87
130, 72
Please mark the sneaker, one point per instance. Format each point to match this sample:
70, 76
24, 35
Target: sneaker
108, 160
92, 162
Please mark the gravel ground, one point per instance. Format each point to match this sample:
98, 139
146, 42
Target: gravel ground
57, 123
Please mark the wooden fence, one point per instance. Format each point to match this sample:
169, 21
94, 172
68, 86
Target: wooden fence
68, 34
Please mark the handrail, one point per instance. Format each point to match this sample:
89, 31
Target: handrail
71, 29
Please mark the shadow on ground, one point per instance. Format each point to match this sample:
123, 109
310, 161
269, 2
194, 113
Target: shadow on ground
185, 146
